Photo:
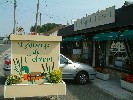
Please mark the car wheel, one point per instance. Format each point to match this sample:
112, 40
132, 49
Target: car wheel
81, 78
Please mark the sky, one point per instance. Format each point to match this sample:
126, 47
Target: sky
53, 11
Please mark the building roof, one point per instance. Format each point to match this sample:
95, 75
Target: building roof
123, 18
53, 30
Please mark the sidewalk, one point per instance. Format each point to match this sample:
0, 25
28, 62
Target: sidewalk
113, 87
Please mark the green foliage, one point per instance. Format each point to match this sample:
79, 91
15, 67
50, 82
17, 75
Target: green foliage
17, 68
32, 29
45, 28
56, 76
13, 79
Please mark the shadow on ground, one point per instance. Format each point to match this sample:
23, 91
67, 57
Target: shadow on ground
72, 82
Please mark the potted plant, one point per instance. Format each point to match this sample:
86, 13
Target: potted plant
127, 82
102, 73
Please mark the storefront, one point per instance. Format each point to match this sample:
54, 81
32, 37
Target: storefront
105, 43
78, 48
127, 38
72, 47
87, 49
114, 50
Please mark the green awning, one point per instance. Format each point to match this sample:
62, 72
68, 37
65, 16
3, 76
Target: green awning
75, 38
127, 34
107, 36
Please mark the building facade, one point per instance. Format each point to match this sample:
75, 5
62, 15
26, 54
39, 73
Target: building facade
107, 43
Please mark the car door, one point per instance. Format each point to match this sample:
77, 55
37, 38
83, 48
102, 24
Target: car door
68, 68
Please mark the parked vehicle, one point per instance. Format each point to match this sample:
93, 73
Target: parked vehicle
76, 70
5, 40
71, 70
7, 65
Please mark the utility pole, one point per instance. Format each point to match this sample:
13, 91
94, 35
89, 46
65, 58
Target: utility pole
14, 16
36, 17
40, 19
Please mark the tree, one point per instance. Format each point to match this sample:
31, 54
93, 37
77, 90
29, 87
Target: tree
32, 29
45, 28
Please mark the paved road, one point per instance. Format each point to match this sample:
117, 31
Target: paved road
4, 47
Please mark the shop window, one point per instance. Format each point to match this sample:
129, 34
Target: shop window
118, 55
85, 47
77, 48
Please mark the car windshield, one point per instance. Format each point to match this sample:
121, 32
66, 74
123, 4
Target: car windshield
63, 59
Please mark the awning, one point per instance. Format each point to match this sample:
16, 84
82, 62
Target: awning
75, 38
127, 34
107, 36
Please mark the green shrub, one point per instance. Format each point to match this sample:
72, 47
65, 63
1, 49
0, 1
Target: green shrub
13, 79
56, 76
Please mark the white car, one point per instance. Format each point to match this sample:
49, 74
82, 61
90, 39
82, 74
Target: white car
71, 70
76, 70
5, 40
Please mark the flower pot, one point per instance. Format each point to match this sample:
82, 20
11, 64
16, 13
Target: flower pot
127, 85
102, 76
32, 90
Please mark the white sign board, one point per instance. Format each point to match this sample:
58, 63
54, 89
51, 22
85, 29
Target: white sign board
99, 18
117, 47
76, 51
